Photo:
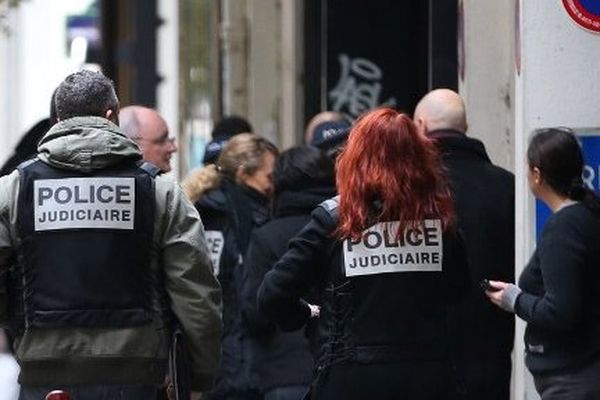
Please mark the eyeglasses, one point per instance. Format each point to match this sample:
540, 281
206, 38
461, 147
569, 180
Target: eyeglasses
161, 141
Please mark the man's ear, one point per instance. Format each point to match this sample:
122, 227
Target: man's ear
112, 116
421, 125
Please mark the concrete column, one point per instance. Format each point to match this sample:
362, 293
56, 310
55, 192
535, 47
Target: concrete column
234, 57
558, 86
167, 61
264, 72
262, 66
488, 78
292, 73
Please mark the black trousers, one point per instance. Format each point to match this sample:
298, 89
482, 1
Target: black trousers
582, 383
487, 379
286, 393
96, 392
415, 380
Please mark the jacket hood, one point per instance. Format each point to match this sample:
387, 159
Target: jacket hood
85, 144
216, 198
213, 200
299, 202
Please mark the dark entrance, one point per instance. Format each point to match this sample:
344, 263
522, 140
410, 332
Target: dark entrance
360, 54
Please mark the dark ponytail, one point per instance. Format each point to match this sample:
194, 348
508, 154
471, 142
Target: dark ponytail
583, 194
557, 154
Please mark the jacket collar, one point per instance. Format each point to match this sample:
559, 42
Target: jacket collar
86, 144
452, 141
298, 202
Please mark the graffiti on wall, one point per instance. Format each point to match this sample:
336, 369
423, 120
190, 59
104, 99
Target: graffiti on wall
358, 88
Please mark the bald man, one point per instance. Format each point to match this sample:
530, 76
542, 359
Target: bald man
481, 337
149, 130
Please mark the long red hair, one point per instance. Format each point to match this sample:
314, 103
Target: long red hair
388, 161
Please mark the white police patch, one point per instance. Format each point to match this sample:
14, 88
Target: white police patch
84, 203
216, 243
419, 249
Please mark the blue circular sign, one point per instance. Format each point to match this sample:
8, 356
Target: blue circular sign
586, 13
591, 6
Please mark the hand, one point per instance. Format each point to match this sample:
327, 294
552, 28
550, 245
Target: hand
196, 396
496, 296
315, 310
169, 388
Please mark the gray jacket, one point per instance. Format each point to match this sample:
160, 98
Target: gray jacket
132, 355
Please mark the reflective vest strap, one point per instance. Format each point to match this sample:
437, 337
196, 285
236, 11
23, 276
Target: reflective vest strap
150, 168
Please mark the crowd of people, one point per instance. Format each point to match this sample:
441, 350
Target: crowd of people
348, 267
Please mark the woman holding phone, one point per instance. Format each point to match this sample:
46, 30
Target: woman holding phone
557, 293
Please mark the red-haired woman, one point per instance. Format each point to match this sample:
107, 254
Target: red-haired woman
386, 261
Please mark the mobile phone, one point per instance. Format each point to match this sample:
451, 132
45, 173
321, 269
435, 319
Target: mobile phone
485, 285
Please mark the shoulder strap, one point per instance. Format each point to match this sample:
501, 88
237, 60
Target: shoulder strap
27, 163
331, 206
150, 168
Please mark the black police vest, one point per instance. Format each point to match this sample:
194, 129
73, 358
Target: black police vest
85, 245
389, 317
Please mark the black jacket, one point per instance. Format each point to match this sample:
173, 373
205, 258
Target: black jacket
282, 358
27, 146
484, 201
365, 320
233, 211
560, 299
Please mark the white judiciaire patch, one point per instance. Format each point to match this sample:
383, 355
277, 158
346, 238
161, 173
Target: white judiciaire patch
84, 203
216, 243
418, 249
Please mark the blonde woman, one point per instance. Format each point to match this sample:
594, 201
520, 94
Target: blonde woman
230, 211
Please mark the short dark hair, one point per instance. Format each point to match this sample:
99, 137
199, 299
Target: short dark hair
230, 126
302, 167
224, 130
85, 93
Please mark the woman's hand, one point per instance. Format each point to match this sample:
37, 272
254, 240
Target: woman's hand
495, 295
503, 294
315, 310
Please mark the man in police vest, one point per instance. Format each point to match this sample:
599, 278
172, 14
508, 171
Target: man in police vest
98, 257
482, 337
149, 130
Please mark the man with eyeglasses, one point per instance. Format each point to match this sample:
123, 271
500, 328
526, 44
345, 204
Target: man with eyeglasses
149, 130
